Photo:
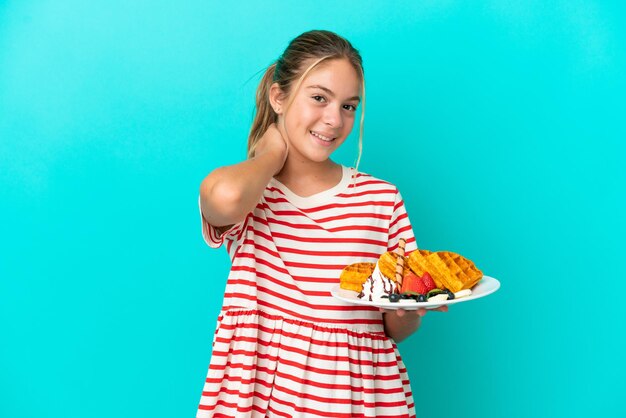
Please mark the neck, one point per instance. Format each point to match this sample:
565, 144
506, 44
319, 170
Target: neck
307, 169
308, 177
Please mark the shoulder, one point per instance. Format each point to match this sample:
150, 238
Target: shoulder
364, 180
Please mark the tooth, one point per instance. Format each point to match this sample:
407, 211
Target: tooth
322, 137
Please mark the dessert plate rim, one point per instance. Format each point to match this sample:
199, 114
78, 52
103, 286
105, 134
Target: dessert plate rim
486, 286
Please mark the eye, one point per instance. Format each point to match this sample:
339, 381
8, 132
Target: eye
351, 108
320, 99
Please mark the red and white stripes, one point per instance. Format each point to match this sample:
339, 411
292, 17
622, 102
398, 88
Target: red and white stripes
284, 346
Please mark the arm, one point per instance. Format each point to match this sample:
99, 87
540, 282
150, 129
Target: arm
399, 324
229, 193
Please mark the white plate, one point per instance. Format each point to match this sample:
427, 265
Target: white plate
486, 286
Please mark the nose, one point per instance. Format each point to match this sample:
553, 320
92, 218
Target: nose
332, 117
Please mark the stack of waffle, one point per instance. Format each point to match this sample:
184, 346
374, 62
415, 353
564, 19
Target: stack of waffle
449, 270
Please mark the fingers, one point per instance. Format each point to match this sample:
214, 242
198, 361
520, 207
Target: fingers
420, 312
402, 312
273, 141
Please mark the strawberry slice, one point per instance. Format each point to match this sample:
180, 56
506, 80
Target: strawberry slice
412, 283
428, 281
420, 287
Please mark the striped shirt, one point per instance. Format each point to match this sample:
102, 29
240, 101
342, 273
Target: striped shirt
283, 345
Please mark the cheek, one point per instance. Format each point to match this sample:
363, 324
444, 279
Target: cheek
310, 115
302, 118
348, 123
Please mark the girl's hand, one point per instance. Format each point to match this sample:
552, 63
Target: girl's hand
418, 312
273, 142
400, 323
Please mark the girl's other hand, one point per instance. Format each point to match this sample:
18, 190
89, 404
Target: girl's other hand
400, 323
273, 142
414, 313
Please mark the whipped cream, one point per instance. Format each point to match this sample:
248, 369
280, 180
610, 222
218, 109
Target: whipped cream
377, 286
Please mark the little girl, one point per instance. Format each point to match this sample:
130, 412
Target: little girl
292, 219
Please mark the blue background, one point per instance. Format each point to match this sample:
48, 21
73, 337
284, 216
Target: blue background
510, 120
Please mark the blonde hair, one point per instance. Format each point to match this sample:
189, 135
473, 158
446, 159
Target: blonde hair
317, 45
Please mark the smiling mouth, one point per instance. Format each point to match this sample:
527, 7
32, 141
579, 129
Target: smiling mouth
322, 137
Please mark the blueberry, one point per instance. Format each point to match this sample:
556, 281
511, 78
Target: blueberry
394, 297
450, 294
421, 298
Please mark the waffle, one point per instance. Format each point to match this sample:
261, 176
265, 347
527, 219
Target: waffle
353, 276
449, 270
387, 265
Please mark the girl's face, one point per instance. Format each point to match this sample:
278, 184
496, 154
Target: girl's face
322, 113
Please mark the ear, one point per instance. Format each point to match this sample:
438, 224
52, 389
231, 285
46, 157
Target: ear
276, 98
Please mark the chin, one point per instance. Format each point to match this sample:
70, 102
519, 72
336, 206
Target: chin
319, 157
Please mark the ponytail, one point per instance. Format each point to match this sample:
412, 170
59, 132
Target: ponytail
265, 115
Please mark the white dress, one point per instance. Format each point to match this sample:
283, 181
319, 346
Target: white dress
284, 347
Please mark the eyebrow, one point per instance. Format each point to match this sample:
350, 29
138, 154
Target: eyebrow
330, 92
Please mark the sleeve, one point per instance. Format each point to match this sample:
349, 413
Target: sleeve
213, 238
400, 227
